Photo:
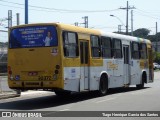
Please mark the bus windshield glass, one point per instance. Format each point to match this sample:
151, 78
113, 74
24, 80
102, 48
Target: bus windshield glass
33, 36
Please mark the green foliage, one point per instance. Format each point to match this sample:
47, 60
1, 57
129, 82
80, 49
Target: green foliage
156, 57
142, 32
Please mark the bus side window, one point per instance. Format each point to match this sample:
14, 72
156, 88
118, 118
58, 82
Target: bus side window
106, 47
95, 46
70, 44
117, 48
135, 50
143, 51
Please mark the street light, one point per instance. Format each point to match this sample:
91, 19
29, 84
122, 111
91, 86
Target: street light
118, 19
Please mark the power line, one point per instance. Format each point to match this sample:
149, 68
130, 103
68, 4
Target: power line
127, 9
23, 8
149, 16
59, 10
157, 12
148, 13
11, 6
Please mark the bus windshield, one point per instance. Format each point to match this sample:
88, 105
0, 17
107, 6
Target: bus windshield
33, 36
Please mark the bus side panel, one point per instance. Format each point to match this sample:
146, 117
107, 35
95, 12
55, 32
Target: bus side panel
96, 66
71, 72
117, 80
95, 77
135, 71
71, 78
150, 62
110, 68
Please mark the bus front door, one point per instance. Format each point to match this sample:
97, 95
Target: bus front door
84, 56
126, 70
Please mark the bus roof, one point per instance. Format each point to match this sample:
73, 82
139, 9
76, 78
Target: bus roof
125, 37
99, 32
90, 31
79, 29
64, 27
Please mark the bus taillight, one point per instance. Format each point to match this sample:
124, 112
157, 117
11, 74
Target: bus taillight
9, 70
10, 73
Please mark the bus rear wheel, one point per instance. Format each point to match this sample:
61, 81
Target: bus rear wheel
103, 85
140, 86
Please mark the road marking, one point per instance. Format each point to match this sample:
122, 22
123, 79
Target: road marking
140, 92
105, 100
64, 110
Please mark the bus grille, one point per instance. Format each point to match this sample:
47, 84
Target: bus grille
32, 83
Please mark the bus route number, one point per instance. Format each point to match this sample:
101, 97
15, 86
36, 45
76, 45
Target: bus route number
44, 78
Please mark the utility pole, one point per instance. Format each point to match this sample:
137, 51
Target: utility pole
26, 11
18, 19
127, 9
127, 20
156, 38
119, 28
131, 22
76, 23
9, 18
85, 21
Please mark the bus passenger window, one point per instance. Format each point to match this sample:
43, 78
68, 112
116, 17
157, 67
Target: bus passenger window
95, 44
135, 50
70, 44
106, 47
143, 51
117, 48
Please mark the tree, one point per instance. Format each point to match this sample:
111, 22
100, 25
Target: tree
157, 37
142, 32
152, 38
156, 57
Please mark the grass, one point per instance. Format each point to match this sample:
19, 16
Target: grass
156, 70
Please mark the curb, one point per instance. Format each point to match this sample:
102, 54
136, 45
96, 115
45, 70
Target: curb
30, 92
11, 95
8, 96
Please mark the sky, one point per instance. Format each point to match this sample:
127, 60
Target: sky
145, 14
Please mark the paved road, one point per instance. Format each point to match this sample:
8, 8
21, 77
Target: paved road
129, 99
4, 84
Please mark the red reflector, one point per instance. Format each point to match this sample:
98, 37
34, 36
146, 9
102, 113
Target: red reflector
10, 72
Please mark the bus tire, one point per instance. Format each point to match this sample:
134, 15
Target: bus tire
103, 85
140, 86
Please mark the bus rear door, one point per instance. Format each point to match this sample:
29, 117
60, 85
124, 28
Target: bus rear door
84, 55
126, 65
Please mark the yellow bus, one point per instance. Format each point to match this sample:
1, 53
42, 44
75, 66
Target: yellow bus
65, 58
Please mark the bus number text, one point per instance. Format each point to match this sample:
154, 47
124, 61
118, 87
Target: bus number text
44, 78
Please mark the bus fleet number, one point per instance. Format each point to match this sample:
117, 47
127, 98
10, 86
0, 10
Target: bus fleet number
44, 78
